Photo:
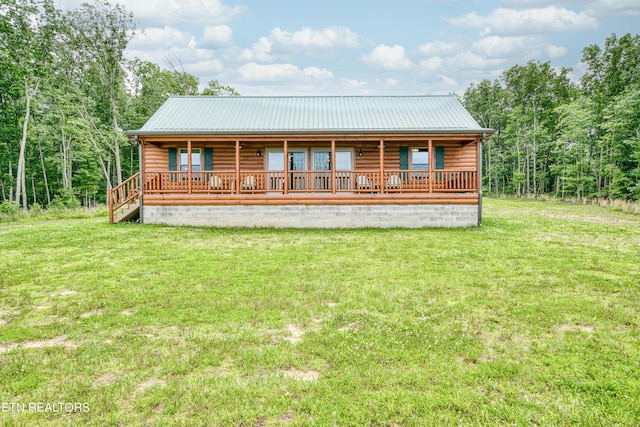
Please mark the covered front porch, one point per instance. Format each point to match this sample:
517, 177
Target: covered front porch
212, 171
323, 168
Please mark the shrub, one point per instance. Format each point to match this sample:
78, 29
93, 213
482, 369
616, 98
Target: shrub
9, 209
65, 200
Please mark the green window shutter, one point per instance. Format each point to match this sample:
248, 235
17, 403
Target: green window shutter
404, 162
208, 159
173, 159
404, 158
439, 157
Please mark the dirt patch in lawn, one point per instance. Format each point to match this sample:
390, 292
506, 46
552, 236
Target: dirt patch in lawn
148, 383
349, 327
60, 341
286, 417
90, 314
582, 328
104, 379
593, 219
296, 333
301, 375
4, 317
65, 293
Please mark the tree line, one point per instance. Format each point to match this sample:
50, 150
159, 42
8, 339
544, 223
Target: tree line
555, 137
66, 94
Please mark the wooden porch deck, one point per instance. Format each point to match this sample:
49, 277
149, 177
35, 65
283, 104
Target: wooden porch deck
311, 187
251, 182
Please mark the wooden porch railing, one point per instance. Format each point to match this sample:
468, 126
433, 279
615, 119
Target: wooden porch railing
310, 181
127, 192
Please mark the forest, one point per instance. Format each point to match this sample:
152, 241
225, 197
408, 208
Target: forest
555, 137
68, 92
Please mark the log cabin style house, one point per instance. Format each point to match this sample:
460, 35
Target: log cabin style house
350, 161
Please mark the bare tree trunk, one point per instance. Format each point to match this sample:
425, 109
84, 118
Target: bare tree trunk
489, 168
33, 188
65, 158
116, 135
519, 171
44, 173
528, 165
10, 184
20, 175
105, 168
535, 149
4, 196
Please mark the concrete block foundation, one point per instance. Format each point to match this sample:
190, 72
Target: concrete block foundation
314, 216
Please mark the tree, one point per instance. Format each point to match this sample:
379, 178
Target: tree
29, 28
99, 35
487, 103
216, 89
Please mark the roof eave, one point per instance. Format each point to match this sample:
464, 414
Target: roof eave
457, 131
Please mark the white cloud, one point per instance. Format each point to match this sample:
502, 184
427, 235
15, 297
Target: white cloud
306, 39
460, 63
432, 64
389, 83
158, 45
259, 51
281, 72
326, 38
440, 48
448, 81
550, 19
554, 51
216, 36
611, 8
192, 12
388, 58
206, 67
166, 37
596, 8
518, 47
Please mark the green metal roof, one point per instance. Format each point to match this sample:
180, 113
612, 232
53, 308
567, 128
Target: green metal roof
187, 115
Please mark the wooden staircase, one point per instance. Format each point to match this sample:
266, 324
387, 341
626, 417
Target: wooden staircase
124, 201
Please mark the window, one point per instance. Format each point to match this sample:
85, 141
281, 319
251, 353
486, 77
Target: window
196, 163
420, 159
344, 159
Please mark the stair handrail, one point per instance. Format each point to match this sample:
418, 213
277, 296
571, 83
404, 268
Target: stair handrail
123, 193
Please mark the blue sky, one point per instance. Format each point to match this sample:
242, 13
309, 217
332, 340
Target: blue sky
368, 47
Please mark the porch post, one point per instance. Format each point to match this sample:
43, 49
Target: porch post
189, 165
333, 166
479, 168
237, 167
110, 203
285, 157
141, 154
381, 166
430, 166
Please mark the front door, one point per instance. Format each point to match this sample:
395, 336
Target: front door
297, 162
321, 163
344, 166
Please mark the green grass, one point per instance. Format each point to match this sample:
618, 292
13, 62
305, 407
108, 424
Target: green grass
532, 318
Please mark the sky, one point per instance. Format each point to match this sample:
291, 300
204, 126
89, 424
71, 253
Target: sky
368, 47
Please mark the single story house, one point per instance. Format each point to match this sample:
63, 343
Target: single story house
322, 161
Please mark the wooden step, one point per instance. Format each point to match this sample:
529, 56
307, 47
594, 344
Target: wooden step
130, 212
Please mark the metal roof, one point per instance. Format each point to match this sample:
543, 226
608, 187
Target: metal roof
187, 115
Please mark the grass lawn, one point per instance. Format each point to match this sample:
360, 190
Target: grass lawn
531, 319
